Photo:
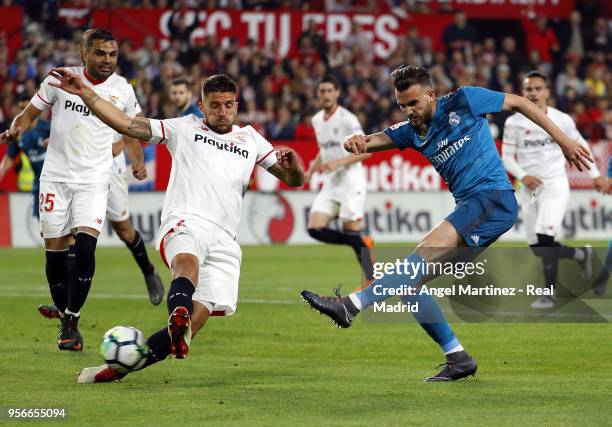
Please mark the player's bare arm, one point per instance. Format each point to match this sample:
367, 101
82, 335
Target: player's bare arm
21, 123
288, 169
575, 153
5, 165
135, 127
136, 155
315, 165
345, 161
362, 144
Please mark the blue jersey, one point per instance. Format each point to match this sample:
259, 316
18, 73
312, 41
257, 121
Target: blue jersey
610, 167
192, 109
32, 145
458, 143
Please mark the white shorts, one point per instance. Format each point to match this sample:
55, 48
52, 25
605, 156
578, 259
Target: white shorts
65, 206
117, 206
544, 209
219, 258
345, 202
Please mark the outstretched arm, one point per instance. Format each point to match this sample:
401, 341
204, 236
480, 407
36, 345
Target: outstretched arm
575, 153
362, 144
135, 127
287, 168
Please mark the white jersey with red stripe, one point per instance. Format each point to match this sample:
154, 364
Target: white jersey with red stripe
80, 143
210, 171
330, 132
537, 154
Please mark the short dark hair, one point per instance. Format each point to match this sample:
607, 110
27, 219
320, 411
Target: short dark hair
408, 75
329, 78
99, 35
219, 83
181, 81
537, 74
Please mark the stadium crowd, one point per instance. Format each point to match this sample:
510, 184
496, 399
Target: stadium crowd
277, 94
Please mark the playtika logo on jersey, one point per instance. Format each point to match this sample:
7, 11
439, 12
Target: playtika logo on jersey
223, 146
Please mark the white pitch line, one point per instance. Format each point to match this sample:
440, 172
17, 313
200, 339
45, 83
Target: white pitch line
45, 294
42, 293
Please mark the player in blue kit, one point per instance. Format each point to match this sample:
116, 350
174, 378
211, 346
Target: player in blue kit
452, 132
601, 282
33, 145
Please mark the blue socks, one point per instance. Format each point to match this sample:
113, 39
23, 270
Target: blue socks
429, 314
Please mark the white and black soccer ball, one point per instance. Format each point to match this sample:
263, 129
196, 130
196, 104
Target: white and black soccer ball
124, 349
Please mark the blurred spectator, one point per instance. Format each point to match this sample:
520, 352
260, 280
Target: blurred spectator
281, 128
304, 129
569, 79
311, 39
599, 39
72, 15
460, 34
541, 39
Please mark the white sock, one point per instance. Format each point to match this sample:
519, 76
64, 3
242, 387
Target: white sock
455, 349
77, 314
356, 302
579, 254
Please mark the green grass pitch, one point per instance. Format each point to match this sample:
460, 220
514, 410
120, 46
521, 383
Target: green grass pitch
277, 363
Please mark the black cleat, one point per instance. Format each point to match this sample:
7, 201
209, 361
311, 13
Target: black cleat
155, 287
601, 283
70, 338
50, 311
340, 309
458, 365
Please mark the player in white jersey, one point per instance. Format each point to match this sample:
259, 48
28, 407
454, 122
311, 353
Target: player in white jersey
212, 161
117, 211
75, 176
344, 188
531, 156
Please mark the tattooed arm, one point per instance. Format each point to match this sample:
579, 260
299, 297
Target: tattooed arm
135, 127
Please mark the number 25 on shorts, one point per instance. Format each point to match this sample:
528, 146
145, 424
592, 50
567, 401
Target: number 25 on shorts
46, 202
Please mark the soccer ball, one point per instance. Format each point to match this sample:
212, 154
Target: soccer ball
124, 349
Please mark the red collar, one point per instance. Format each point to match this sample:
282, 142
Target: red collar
92, 80
326, 117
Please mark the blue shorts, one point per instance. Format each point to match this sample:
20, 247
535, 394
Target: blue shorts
483, 217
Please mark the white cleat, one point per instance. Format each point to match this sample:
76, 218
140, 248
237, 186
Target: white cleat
97, 374
543, 303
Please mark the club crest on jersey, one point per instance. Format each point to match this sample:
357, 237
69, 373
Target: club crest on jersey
223, 146
113, 99
453, 119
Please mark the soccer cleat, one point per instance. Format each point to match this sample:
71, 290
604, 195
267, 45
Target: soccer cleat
458, 365
601, 283
179, 328
50, 311
70, 338
155, 287
340, 309
587, 263
98, 374
543, 303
